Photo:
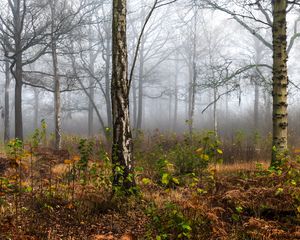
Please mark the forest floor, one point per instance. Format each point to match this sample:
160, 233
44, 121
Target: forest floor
42, 197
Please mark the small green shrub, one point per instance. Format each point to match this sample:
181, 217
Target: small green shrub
168, 222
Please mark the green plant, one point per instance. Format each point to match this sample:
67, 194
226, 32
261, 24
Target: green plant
85, 150
118, 189
39, 135
166, 172
169, 222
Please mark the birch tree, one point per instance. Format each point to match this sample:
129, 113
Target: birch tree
280, 80
272, 17
122, 136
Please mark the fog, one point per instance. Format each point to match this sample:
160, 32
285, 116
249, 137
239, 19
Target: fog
197, 68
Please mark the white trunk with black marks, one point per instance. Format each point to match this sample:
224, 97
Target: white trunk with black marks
122, 136
56, 78
280, 80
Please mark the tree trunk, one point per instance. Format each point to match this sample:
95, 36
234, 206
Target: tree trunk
193, 77
91, 108
18, 71
122, 158
18, 98
91, 87
134, 101
141, 88
280, 81
192, 97
36, 108
215, 113
256, 105
57, 100
170, 112
6, 104
176, 93
107, 83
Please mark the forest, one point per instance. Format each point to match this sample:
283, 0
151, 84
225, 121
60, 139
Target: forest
149, 119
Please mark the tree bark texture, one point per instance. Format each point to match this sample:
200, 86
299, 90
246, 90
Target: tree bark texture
280, 80
122, 136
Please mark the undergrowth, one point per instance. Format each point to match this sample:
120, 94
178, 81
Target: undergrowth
181, 194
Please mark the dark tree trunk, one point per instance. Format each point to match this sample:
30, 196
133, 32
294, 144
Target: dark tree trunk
18, 98
18, 71
6, 104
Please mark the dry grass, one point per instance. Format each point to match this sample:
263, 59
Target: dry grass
241, 167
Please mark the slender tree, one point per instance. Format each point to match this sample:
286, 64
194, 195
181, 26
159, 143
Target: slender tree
6, 103
122, 136
280, 79
57, 101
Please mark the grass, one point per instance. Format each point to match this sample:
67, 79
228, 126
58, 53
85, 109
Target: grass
234, 168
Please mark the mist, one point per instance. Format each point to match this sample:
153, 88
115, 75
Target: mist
196, 69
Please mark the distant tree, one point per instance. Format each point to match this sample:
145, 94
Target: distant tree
6, 102
57, 98
23, 30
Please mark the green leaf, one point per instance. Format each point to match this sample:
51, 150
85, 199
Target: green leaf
205, 157
201, 191
293, 182
235, 217
187, 227
175, 180
239, 209
219, 151
165, 179
279, 191
146, 181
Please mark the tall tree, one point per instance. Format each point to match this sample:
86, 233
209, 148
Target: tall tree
57, 101
280, 79
6, 103
23, 29
122, 137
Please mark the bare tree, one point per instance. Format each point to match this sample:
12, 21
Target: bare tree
21, 30
120, 86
